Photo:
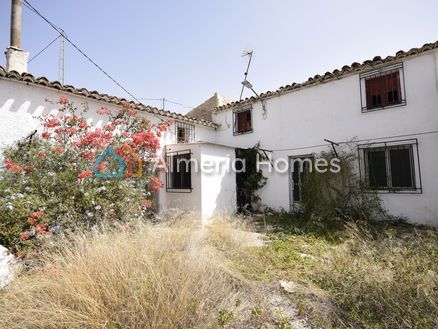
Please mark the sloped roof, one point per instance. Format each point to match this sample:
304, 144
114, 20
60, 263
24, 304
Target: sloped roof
204, 111
346, 70
43, 81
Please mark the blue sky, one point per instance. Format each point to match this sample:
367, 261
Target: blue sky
187, 50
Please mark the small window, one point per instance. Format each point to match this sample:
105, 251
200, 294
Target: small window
382, 88
391, 167
179, 173
185, 132
243, 120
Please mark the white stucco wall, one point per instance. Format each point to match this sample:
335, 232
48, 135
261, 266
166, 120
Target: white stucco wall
219, 185
304, 118
213, 191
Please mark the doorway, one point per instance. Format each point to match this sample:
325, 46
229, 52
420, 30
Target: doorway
299, 168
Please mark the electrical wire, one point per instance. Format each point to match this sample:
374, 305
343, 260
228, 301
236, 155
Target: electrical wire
60, 31
357, 141
173, 102
42, 50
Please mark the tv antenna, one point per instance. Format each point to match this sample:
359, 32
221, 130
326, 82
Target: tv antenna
244, 54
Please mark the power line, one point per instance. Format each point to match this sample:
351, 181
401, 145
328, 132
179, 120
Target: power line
57, 29
357, 141
42, 50
173, 102
164, 100
62, 34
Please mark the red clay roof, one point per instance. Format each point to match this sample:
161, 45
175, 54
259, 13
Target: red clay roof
346, 70
43, 81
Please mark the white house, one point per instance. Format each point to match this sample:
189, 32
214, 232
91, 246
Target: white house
388, 106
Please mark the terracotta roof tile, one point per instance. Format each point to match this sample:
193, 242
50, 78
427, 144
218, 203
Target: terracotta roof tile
336, 74
43, 81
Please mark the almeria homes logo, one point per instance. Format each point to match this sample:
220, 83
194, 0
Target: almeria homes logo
112, 164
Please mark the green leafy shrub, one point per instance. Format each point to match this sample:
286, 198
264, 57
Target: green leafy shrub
48, 185
338, 196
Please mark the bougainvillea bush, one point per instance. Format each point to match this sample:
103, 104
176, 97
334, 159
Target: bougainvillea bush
49, 185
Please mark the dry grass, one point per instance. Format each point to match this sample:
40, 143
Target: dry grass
167, 276
383, 282
368, 277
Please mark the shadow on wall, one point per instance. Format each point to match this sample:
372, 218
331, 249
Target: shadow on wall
19, 115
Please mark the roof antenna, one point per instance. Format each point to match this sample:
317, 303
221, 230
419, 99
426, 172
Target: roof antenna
244, 54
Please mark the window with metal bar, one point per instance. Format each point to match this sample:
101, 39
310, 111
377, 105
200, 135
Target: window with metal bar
242, 120
382, 88
179, 174
390, 167
185, 132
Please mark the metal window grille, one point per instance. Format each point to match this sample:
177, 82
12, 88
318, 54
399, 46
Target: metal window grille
179, 171
242, 118
391, 166
185, 132
383, 88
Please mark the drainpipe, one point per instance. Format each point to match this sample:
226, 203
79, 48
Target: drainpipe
16, 58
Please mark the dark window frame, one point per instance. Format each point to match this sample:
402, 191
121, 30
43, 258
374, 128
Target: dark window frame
189, 132
386, 97
178, 181
238, 113
365, 150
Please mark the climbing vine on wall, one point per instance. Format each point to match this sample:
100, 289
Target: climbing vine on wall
250, 180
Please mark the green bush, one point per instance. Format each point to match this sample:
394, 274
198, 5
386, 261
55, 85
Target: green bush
49, 188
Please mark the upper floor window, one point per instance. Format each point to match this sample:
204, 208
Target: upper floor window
185, 132
382, 88
242, 120
391, 166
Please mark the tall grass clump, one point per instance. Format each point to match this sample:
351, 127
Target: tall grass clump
165, 276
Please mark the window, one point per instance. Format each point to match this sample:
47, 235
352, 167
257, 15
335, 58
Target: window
382, 88
179, 173
185, 132
243, 120
391, 166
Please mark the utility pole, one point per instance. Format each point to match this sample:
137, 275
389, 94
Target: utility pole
61, 57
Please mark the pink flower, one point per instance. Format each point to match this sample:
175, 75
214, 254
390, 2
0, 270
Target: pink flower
41, 154
147, 203
83, 125
155, 184
37, 214
87, 154
109, 127
10, 165
58, 150
52, 123
103, 111
40, 228
63, 100
46, 135
24, 236
84, 174
133, 112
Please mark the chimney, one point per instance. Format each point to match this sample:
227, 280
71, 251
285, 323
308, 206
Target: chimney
16, 58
